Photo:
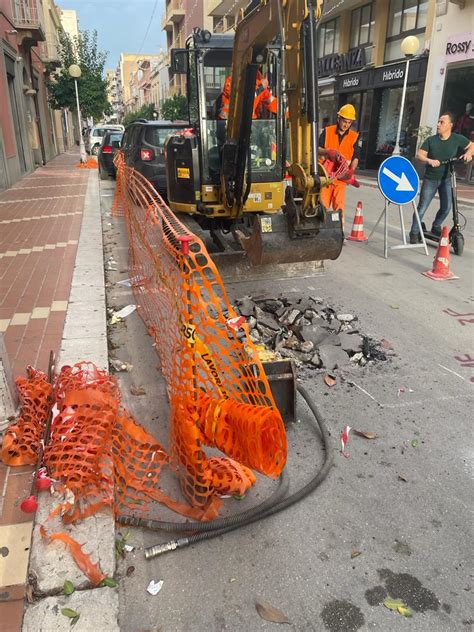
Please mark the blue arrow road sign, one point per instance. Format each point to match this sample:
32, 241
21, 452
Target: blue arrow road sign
398, 180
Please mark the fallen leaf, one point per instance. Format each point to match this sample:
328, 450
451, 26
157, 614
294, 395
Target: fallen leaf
71, 614
355, 554
137, 390
402, 478
406, 612
110, 582
414, 443
393, 604
330, 380
68, 587
270, 613
363, 433
130, 571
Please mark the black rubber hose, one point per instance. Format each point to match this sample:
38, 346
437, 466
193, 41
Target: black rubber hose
212, 525
268, 508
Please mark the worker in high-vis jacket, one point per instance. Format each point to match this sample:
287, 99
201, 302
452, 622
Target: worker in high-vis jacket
264, 105
337, 142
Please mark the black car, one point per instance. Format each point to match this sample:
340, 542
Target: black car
143, 147
111, 143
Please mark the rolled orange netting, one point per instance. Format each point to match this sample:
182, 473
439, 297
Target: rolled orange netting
22, 440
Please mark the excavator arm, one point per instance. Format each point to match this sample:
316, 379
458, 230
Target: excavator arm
295, 23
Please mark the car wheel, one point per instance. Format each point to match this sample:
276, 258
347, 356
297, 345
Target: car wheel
95, 150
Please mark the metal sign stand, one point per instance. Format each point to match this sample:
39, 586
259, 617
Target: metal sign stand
384, 214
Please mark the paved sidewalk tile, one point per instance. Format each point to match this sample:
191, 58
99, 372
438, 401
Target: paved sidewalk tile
40, 225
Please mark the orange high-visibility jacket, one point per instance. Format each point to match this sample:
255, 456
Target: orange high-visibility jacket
346, 147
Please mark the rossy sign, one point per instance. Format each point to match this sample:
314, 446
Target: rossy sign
459, 47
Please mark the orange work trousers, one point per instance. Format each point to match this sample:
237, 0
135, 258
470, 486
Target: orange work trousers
335, 196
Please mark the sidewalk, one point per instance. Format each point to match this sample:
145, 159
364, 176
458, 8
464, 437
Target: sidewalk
41, 219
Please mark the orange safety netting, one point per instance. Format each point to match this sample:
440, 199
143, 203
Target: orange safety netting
218, 390
219, 395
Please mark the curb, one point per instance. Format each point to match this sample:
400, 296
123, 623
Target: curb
84, 338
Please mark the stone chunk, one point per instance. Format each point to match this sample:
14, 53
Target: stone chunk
351, 342
246, 306
345, 318
332, 357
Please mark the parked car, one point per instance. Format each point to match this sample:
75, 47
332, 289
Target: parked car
143, 147
94, 138
111, 143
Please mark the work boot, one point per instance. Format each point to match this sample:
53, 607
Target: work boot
415, 238
436, 231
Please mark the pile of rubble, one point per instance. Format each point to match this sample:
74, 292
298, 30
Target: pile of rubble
309, 332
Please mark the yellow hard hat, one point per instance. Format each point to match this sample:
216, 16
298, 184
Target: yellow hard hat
348, 112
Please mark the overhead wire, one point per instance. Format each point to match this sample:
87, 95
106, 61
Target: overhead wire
149, 26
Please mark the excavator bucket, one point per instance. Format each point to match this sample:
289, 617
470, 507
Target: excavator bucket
273, 240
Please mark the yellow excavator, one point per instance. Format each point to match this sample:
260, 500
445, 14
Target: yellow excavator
255, 177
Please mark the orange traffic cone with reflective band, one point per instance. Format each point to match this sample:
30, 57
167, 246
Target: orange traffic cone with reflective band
357, 233
441, 267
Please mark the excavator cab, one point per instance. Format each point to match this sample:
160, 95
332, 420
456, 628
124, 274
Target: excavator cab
237, 186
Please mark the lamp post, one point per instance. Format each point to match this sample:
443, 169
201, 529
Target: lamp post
409, 46
75, 72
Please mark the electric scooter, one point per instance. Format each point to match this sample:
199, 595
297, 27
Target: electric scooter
456, 238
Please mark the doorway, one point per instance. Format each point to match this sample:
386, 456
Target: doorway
16, 123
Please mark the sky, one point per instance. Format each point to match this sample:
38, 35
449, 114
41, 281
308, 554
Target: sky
121, 24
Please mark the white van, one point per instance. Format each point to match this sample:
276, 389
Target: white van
93, 139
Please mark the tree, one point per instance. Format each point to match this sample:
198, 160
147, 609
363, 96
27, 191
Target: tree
80, 50
145, 112
176, 107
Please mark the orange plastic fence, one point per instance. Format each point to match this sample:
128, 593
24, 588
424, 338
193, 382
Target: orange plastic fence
219, 394
217, 387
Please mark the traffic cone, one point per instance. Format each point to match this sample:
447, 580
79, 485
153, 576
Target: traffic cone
357, 233
441, 266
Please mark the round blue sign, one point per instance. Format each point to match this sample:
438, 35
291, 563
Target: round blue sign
398, 180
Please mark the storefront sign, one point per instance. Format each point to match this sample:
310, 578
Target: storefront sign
344, 62
390, 75
460, 47
354, 82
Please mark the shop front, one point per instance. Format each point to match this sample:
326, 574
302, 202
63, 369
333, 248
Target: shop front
388, 89
458, 93
355, 88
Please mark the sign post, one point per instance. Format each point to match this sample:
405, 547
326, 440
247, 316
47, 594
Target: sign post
398, 182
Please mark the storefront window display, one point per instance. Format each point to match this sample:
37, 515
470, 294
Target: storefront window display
388, 120
458, 96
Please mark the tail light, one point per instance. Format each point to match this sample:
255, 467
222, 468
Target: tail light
107, 149
146, 155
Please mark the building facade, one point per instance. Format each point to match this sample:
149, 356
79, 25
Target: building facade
450, 72
28, 134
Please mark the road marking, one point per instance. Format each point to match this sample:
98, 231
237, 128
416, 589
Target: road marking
453, 372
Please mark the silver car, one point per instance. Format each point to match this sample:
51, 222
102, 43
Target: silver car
93, 139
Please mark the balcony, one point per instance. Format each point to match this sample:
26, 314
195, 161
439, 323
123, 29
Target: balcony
174, 14
28, 21
49, 53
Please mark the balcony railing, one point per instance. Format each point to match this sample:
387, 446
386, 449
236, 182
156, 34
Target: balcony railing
174, 13
27, 16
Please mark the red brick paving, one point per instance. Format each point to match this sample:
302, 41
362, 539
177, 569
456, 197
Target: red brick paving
29, 281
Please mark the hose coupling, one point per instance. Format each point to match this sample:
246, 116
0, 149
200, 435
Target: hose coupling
159, 549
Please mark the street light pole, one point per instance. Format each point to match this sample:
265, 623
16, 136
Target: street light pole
75, 73
409, 47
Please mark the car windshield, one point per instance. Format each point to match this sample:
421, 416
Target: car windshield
98, 131
114, 138
263, 138
157, 136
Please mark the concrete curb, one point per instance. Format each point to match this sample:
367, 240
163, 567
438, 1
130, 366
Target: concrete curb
84, 338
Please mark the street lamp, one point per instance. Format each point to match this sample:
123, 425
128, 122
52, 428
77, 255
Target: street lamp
409, 47
75, 72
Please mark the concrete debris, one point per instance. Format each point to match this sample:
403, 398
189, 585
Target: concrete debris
308, 331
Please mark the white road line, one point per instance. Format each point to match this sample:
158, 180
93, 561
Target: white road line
453, 372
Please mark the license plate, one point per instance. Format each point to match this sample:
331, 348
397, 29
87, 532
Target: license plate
266, 224
183, 172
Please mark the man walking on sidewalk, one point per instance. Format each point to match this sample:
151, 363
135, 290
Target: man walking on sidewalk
336, 141
435, 150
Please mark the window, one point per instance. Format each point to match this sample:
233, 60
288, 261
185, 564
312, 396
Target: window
362, 27
217, 24
406, 17
157, 136
328, 42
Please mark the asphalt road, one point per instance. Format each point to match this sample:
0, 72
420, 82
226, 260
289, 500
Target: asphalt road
403, 501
